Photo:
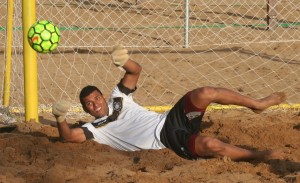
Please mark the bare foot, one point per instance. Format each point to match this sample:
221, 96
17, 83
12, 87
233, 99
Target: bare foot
266, 155
273, 99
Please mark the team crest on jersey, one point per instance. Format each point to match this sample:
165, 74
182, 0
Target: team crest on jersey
193, 115
117, 107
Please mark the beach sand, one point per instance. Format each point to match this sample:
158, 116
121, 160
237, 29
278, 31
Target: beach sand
32, 152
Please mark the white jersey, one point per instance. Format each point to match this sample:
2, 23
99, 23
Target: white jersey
135, 128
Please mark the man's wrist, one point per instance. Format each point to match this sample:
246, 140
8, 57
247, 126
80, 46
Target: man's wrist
60, 119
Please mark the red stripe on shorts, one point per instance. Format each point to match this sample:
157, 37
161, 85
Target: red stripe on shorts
189, 106
191, 144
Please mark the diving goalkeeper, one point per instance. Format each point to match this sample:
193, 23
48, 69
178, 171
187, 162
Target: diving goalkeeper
125, 125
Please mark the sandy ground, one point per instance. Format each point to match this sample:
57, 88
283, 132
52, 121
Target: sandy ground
32, 152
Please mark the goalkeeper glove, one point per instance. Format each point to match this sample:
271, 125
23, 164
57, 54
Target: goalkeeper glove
60, 109
119, 55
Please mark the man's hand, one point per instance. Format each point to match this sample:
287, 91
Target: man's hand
119, 55
60, 109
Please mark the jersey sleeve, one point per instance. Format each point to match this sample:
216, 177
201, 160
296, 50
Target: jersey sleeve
88, 134
124, 89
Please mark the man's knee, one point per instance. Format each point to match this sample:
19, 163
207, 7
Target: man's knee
204, 93
213, 145
208, 145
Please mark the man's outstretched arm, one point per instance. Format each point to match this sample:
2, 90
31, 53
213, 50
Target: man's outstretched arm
133, 69
59, 110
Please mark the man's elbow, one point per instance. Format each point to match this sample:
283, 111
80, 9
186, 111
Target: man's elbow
72, 138
139, 69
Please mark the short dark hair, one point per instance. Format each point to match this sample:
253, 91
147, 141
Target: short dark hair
85, 92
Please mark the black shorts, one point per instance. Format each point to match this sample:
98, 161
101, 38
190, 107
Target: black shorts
181, 128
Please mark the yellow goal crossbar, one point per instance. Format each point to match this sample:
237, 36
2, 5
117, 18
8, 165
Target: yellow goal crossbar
225, 107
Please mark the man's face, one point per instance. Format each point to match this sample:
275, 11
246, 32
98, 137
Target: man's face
95, 104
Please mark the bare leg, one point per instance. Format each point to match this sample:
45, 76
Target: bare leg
202, 97
273, 99
208, 146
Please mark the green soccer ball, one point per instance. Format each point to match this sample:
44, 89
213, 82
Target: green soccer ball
43, 36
